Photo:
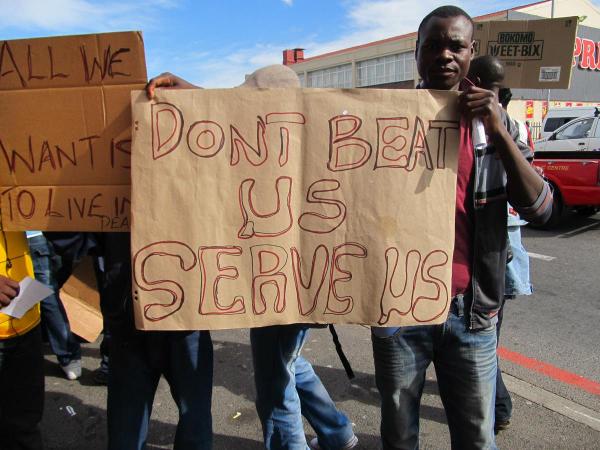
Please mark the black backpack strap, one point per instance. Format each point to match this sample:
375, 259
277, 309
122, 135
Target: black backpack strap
340, 352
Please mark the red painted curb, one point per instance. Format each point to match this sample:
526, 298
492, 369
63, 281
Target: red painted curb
551, 371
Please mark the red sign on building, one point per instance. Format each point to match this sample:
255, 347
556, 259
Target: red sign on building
544, 109
529, 109
588, 53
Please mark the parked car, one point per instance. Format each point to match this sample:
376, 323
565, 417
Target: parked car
557, 117
570, 159
578, 135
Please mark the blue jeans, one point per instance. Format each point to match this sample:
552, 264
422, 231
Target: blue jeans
287, 387
465, 364
135, 366
517, 280
64, 344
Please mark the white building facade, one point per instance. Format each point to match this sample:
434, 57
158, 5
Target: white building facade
390, 63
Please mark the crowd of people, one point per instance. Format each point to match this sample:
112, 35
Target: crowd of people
487, 253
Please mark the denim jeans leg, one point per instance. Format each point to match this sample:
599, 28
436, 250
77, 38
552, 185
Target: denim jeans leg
274, 353
63, 342
190, 377
465, 364
401, 361
132, 383
332, 426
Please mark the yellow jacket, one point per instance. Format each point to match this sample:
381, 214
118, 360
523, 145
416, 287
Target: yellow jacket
15, 263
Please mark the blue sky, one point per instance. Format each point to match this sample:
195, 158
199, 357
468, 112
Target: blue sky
214, 43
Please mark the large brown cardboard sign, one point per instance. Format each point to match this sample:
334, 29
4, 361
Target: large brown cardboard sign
537, 54
65, 140
258, 207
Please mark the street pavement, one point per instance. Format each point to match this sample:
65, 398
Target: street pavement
551, 340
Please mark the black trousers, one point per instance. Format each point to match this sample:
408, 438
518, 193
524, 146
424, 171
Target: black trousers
21, 391
503, 409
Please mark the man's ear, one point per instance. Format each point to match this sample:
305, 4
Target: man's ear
472, 49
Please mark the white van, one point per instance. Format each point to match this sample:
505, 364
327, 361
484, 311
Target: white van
557, 117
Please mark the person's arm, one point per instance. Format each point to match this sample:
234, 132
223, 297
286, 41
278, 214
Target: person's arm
9, 289
167, 80
527, 191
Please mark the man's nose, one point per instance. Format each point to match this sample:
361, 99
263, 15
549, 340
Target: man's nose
445, 54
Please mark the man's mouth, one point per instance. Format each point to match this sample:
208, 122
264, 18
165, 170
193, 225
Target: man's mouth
443, 72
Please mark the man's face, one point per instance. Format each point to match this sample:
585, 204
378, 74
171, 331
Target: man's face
444, 52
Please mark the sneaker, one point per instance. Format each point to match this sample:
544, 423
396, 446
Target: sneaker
72, 370
353, 442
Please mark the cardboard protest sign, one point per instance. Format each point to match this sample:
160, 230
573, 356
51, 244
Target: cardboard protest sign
65, 139
81, 300
537, 54
258, 207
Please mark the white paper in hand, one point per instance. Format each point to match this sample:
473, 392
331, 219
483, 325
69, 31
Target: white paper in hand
478, 134
30, 293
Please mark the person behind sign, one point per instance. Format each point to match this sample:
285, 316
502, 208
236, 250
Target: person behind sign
287, 386
517, 280
463, 349
21, 358
69, 248
488, 72
55, 323
139, 358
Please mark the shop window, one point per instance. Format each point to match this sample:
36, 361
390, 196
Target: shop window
332, 77
386, 69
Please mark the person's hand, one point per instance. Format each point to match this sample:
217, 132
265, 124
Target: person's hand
9, 289
167, 80
481, 103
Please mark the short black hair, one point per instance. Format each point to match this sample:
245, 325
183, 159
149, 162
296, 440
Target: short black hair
444, 12
504, 96
488, 69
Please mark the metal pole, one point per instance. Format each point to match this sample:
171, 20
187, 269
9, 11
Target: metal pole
552, 17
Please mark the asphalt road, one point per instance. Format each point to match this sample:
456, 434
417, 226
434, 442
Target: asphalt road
554, 375
559, 323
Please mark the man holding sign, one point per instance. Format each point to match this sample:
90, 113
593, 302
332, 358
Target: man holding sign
463, 349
